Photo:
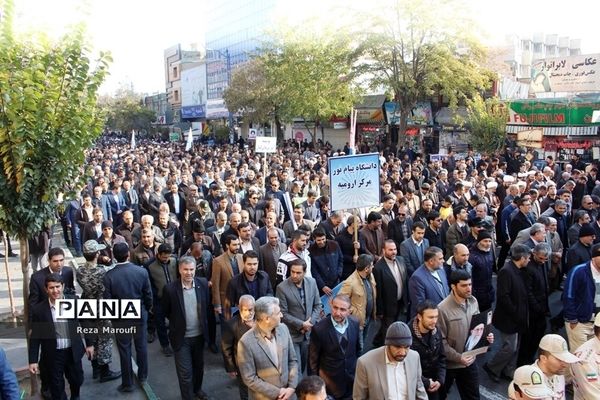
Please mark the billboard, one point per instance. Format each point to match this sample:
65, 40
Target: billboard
579, 73
421, 113
193, 86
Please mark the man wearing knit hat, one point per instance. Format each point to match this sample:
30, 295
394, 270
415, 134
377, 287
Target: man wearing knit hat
392, 371
586, 374
553, 360
528, 384
581, 251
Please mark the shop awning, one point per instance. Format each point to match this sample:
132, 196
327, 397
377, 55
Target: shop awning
557, 130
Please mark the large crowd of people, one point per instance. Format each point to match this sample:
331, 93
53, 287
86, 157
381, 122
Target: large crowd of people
223, 237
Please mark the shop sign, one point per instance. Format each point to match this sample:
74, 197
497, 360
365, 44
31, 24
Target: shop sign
421, 113
579, 73
553, 112
564, 144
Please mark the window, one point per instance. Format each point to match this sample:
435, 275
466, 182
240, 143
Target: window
176, 96
175, 76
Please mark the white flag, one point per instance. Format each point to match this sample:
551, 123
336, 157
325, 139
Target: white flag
190, 139
132, 140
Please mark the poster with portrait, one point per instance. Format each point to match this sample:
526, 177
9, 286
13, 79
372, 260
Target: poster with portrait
481, 326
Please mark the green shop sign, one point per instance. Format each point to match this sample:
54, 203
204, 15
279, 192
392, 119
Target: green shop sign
554, 112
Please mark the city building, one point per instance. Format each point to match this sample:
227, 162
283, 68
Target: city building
176, 60
235, 29
522, 51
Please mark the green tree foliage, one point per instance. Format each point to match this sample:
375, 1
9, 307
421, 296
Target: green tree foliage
486, 121
126, 112
250, 94
48, 117
311, 77
424, 48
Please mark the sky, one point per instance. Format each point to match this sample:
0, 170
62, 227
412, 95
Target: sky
137, 32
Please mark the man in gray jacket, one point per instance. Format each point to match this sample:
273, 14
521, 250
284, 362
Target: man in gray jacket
301, 308
266, 356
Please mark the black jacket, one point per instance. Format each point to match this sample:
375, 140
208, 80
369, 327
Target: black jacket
431, 352
512, 307
174, 309
334, 364
346, 242
37, 284
578, 254
481, 274
238, 286
537, 289
233, 331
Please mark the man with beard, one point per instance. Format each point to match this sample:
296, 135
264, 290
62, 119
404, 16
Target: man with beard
297, 249
455, 313
429, 280
458, 231
391, 277
326, 262
301, 307
170, 232
458, 260
421, 214
427, 341
433, 232
361, 290
537, 287
400, 228
249, 281
482, 261
397, 362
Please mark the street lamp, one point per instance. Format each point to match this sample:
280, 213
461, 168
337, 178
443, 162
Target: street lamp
228, 66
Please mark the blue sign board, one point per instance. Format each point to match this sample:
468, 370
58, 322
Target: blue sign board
193, 111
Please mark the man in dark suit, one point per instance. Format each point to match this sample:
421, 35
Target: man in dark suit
116, 202
511, 314
185, 303
61, 345
391, 279
233, 331
247, 241
56, 264
93, 230
37, 294
176, 203
270, 253
129, 281
332, 354
301, 307
413, 249
249, 281
429, 282
400, 228
332, 225
521, 220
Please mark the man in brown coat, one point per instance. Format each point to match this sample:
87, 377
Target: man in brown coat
225, 267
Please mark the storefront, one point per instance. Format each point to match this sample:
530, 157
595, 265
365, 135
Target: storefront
557, 127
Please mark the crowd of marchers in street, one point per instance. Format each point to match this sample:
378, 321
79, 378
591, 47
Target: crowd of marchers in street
222, 238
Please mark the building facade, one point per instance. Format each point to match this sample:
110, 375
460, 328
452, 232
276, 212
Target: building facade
522, 51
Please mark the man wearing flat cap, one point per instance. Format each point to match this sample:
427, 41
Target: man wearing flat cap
392, 371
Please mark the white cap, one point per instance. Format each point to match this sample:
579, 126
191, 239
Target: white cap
492, 185
467, 184
530, 379
557, 346
508, 179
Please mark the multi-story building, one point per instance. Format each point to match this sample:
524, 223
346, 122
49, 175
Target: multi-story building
176, 60
159, 104
522, 51
235, 29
